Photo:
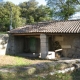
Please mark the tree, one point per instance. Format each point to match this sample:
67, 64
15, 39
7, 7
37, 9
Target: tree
44, 13
27, 9
5, 15
63, 9
34, 13
16, 19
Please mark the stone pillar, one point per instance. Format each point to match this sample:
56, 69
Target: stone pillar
44, 45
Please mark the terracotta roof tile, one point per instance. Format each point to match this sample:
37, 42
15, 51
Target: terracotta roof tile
71, 26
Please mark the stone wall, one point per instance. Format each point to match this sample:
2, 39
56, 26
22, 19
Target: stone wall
15, 45
3, 43
19, 44
70, 45
11, 45
75, 50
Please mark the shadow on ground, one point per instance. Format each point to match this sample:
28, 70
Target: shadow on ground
28, 72
23, 76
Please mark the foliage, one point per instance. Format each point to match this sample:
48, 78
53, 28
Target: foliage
5, 12
26, 12
34, 13
43, 13
63, 9
3, 32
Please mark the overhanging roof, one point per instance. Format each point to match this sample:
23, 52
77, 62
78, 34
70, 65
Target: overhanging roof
71, 26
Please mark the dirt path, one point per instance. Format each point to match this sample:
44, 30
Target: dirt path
11, 60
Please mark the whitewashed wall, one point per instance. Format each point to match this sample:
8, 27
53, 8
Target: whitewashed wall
3, 43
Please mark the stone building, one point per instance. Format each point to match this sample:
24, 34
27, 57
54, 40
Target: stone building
46, 36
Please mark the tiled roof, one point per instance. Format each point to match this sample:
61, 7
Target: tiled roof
71, 26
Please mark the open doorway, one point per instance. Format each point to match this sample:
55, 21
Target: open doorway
55, 46
32, 45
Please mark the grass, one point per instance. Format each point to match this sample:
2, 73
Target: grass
3, 32
13, 61
23, 76
21, 61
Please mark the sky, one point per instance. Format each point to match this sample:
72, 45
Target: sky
76, 15
19, 1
